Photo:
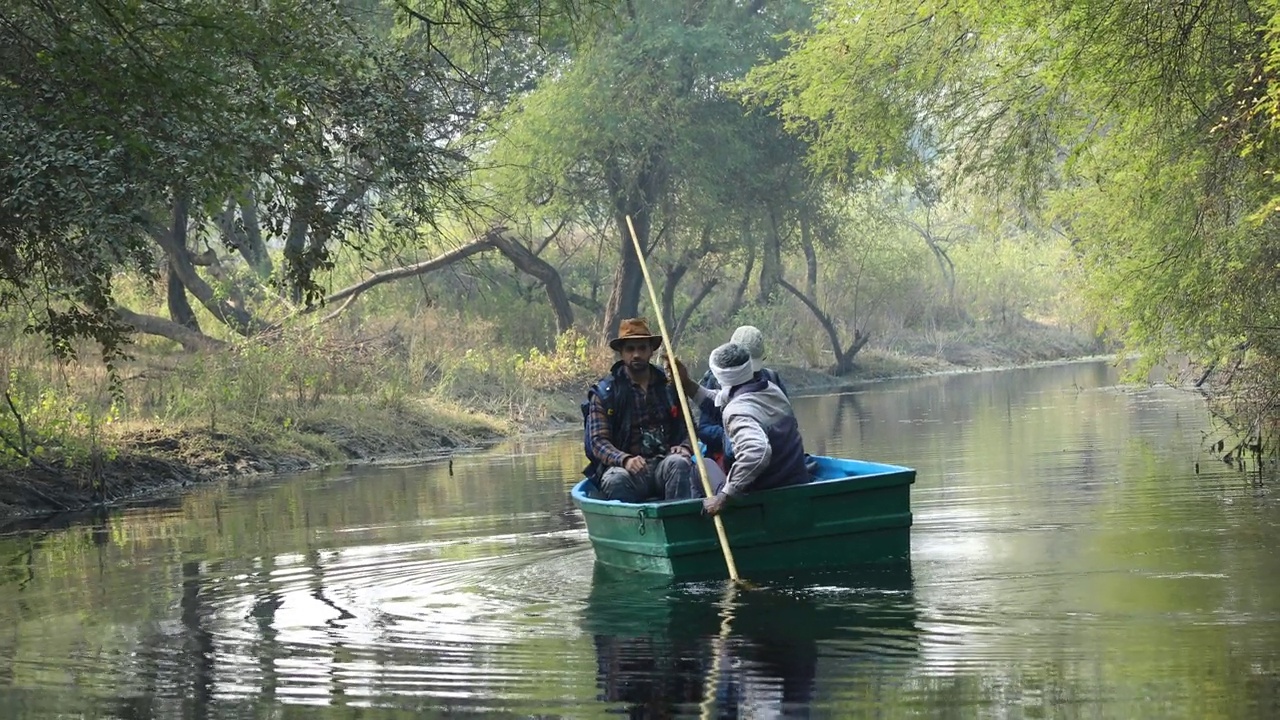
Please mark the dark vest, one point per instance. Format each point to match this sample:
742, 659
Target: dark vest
787, 456
618, 402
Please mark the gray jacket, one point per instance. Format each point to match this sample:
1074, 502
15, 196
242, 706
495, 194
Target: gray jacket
767, 449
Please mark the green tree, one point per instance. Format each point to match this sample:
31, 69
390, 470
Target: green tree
637, 122
137, 130
1145, 133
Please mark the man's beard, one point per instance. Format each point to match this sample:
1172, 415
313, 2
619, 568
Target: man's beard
639, 364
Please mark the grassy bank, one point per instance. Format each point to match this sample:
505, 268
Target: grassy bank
300, 400
135, 460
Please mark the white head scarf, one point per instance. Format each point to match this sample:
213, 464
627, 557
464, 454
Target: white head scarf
731, 366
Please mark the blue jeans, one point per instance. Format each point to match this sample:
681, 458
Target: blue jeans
665, 479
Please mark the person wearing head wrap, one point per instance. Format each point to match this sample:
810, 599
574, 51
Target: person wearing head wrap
710, 422
758, 422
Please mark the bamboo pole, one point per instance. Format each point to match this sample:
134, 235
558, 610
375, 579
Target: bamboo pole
684, 404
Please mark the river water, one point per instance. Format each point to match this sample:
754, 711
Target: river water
1068, 561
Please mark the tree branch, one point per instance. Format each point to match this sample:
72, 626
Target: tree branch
481, 244
683, 323
585, 302
191, 340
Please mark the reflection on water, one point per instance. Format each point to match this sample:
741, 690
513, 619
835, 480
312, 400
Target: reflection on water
1066, 562
716, 649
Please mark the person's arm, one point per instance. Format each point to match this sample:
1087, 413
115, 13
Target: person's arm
751, 453
710, 424
598, 431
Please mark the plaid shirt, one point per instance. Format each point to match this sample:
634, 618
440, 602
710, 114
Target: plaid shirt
649, 409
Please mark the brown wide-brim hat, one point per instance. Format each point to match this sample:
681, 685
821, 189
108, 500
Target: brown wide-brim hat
635, 329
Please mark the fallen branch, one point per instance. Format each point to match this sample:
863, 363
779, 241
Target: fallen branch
191, 340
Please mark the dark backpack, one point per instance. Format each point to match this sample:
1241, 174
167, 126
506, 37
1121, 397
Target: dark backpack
604, 391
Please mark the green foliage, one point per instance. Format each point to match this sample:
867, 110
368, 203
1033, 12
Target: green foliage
41, 423
391, 135
568, 367
637, 121
1144, 134
118, 113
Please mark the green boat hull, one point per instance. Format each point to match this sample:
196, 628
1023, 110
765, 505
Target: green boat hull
853, 513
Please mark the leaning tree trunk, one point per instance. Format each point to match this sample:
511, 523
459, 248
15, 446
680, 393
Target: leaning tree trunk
740, 292
844, 355
546, 273
191, 340
180, 261
683, 323
495, 238
180, 310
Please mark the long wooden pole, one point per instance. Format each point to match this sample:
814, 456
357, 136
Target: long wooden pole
684, 403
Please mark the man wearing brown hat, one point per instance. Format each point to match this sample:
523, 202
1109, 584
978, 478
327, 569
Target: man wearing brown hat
633, 431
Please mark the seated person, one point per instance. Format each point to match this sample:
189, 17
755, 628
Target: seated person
634, 432
758, 422
710, 421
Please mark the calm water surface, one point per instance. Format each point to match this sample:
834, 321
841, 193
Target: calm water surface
1067, 562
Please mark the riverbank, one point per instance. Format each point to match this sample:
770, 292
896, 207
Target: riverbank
141, 462
137, 460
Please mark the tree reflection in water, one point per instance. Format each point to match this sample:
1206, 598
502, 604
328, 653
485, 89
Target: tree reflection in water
656, 643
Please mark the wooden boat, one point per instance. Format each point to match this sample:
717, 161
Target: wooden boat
853, 513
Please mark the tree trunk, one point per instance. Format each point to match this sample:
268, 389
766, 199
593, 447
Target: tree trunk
945, 266
855, 346
844, 357
628, 279
479, 245
740, 292
770, 261
295, 242
496, 238
590, 305
683, 323
810, 257
237, 319
624, 297
175, 292
246, 236
675, 274
179, 308
545, 272
634, 198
